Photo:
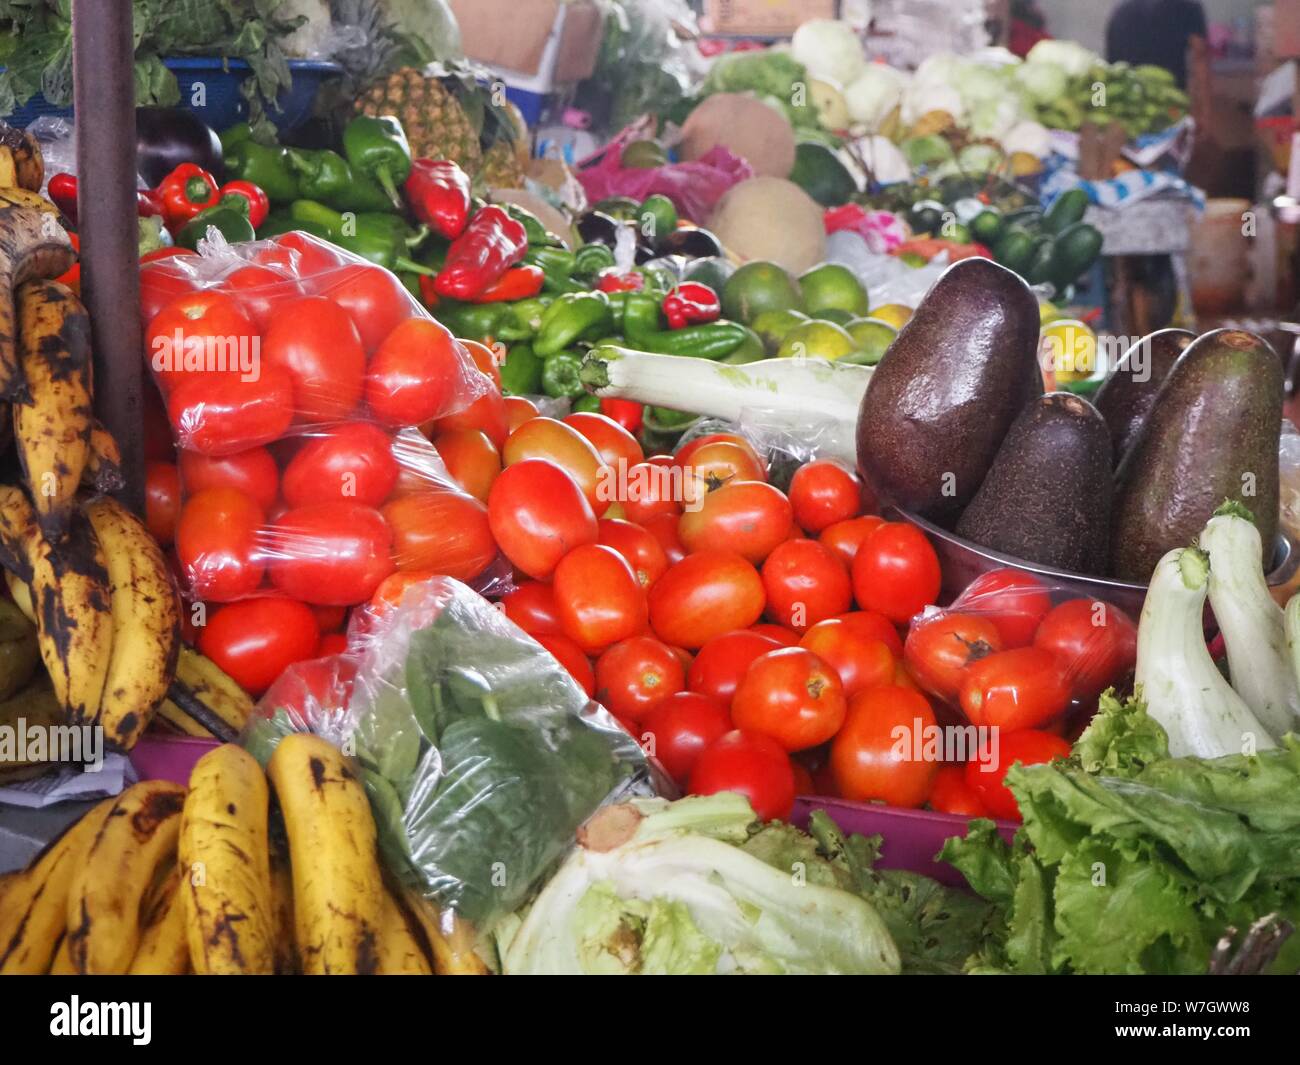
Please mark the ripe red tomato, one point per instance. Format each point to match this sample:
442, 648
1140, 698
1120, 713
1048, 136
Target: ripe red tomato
653, 490
845, 537
372, 297
611, 441
330, 618
487, 359
664, 529
253, 472
1095, 642
750, 764
218, 414
255, 640
216, 543
332, 643
315, 342
598, 598
546, 438
638, 547
349, 462
261, 291
859, 661
159, 285
309, 255
570, 656
636, 674
985, 775
686, 453
791, 695
823, 492
538, 514
783, 636
952, 795
805, 584
197, 333
518, 411
873, 757
531, 606
896, 572
487, 414
877, 627
1018, 689
332, 553
716, 464
705, 595
415, 374
627, 412
440, 531
678, 729
471, 459
722, 662
1015, 602
941, 649
162, 500
748, 517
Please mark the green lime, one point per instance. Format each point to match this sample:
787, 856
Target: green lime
643, 155
872, 336
838, 315
831, 286
772, 326
656, 217
756, 287
816, 340
986, 226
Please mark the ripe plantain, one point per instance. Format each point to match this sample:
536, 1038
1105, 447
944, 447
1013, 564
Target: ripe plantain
451, 938
32, 245
286, 952
103, 472
400, 951
35, 910
70, 599
104, 900
203, 700
163, 950
225, 866
146, 622
23, 166
52, 424
338, 894
18, 197
62, 963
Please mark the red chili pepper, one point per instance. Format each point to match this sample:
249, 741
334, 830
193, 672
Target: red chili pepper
691, 303
258, 204
627, 412
438, 192
185, 192
72, 276
63, 194
517, 283
491, 244
610, 280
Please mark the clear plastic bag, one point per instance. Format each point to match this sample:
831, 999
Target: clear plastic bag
293, 375
480, 754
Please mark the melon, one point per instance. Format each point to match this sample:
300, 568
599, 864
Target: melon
748, 127
773, 219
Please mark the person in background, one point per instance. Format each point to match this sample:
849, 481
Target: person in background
1156, 32
1028, 27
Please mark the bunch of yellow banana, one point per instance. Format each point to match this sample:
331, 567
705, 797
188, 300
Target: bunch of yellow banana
169, 880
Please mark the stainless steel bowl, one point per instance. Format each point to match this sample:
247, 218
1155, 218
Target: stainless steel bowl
962, 561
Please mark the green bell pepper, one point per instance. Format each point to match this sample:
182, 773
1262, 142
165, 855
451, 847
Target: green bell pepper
538, 234
521, 373
586, 404
640, 315
555, 263
560, 375
267, 168
323, 176
236, 134
377, 147
522, 319
471, 321
570, 318
384, 239
232, 225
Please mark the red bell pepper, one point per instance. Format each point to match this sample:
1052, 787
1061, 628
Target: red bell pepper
438, 192
491, 244
63, 193
258, 204
691, 303
185, 192
611, 280
518, 283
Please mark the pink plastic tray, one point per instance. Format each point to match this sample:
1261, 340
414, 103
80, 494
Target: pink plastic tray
911, 837
169, 757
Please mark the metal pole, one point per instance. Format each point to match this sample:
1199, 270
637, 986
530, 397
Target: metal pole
104, 98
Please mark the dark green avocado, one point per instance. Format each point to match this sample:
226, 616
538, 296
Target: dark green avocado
1128, 394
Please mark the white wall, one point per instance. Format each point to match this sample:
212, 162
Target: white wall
1085, 20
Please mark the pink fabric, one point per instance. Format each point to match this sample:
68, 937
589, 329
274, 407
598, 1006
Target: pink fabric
695, 187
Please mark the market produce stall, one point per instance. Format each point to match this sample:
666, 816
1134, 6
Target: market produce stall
731, 551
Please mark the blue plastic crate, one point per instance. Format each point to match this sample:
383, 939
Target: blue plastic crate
222, 104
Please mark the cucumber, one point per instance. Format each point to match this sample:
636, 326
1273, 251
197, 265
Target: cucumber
1067, 209
1014, 249
1076, 249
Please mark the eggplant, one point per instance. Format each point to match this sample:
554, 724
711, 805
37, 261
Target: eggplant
165, 137
691, 241
596, 227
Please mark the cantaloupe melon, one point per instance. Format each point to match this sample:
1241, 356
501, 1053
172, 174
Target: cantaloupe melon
770, 218
748, 127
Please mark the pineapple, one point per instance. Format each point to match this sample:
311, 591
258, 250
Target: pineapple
436, 125
501, 167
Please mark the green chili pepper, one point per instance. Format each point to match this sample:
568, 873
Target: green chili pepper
521, 373
537, 233
586, 403
555, 263
471, 321
560, 376
571, 317
522, 319
236, 134
713, 340
323, 176
377, 147
617, 307
267, 168
232, 225
640, 315
384, 239
591, 259
748, 350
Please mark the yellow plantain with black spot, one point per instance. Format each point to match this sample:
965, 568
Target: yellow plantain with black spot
52, 422
21, 164
70, 599
163, 949
103, 471
32, 245
145, 611
203, 700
